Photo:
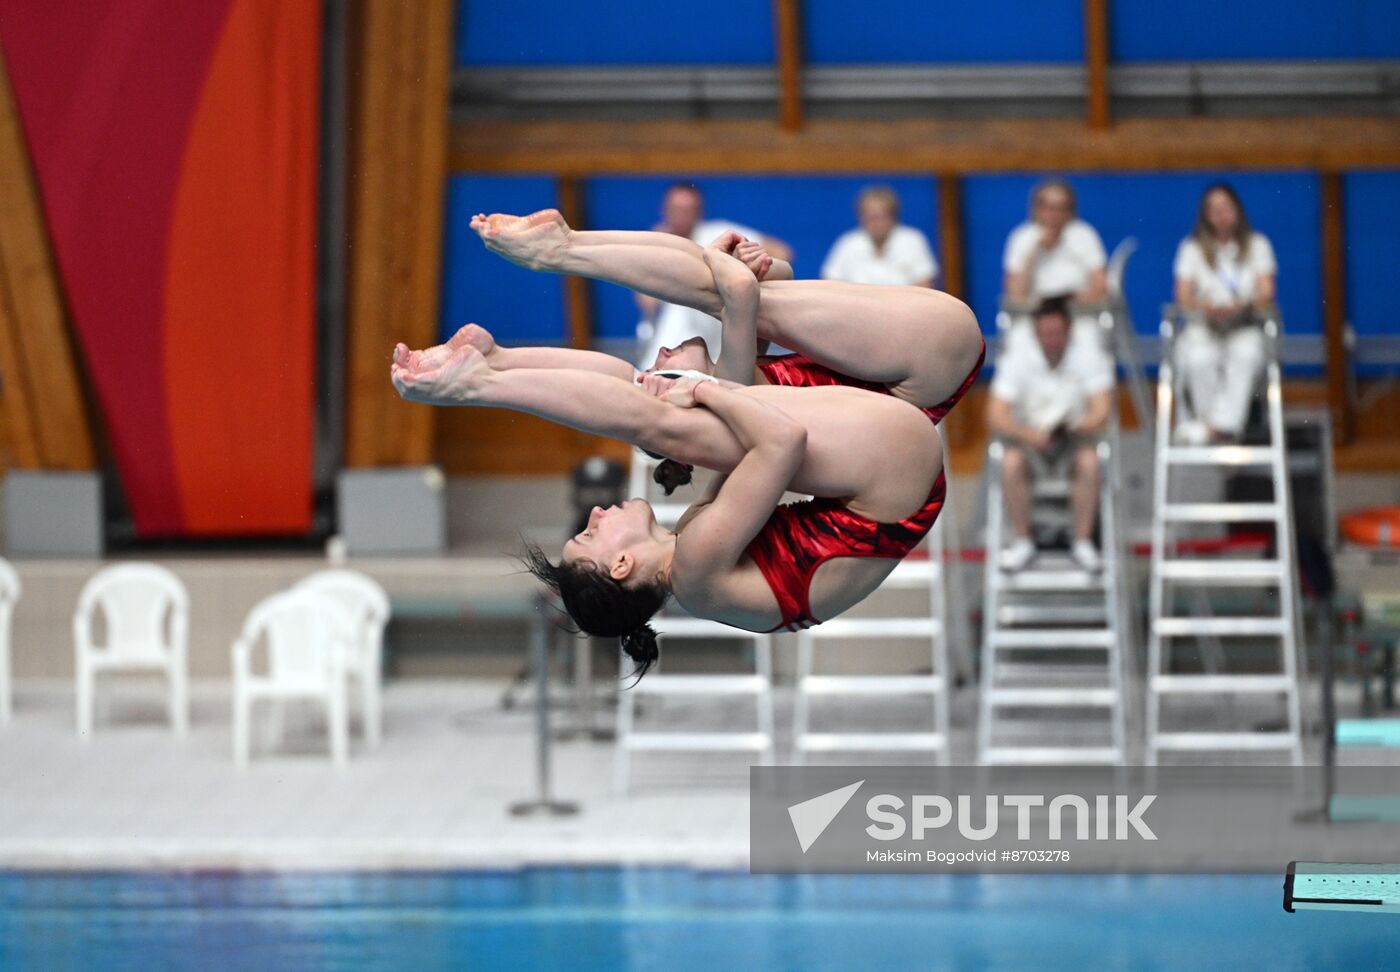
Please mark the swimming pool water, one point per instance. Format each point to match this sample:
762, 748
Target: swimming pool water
673, 920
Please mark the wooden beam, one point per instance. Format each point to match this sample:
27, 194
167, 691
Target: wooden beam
401, 54
787, 35
43, 397
578, 305
1096, 61
926, 145
1334, 307
950, 235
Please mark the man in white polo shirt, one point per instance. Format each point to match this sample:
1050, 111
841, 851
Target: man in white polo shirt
669, 325
881, 250
1049, 403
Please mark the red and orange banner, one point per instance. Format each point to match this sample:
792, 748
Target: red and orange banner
176, 149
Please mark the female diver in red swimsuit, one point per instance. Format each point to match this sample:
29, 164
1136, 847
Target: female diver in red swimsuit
736, 556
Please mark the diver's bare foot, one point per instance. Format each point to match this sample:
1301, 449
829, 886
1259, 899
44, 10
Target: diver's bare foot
458, 379
537, 241
477, 337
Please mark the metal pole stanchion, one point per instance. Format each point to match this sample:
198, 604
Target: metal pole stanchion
544, 804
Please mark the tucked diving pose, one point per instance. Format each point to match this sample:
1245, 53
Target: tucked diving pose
917, 344
872, 460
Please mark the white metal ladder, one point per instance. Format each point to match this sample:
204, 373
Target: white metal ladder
1055, 638
674, 629
1199, 575
928, 624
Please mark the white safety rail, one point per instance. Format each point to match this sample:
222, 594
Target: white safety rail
927, 623
1220, 683
1056, 641
674, 630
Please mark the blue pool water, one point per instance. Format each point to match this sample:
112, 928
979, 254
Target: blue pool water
672, 920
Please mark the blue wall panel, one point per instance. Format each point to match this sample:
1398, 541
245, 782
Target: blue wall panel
1188, 30
1371, 202
558, 32
943, 31
1159, 210
807, 212
516, 305
564, 32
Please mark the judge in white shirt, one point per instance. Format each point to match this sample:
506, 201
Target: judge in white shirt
670, 325
1224, 271
1054, 252
1050, 402
881, 250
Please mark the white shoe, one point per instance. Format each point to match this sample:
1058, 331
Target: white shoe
1086, 555
1018, 556
1192, 432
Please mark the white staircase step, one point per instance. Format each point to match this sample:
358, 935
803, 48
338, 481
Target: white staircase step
1040, 579
683, 627
1051, 755
1221, 455
1233, 571
1062, 614
1053, 638
1220, 512
1222, 683
1224, 741
662, 684
1220, 627
1040, 674
675, 741
1053, 696
878, 742
877, 628
870, 684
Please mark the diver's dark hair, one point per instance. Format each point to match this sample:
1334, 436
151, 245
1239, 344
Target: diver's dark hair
669, 474
603, 607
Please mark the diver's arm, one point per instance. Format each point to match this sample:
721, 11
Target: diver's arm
738, 291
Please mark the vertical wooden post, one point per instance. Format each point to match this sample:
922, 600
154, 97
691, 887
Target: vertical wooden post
578, 307
950, 234
401, 57
1096, 61
43, 400
788, 37
1334, 305
958, 429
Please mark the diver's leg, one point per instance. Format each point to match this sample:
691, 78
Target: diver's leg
920, 342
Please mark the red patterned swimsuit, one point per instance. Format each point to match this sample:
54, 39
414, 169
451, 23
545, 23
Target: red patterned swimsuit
800, 537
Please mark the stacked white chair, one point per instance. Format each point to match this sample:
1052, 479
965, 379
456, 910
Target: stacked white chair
309, 638
146, 611
368, 605
9, 595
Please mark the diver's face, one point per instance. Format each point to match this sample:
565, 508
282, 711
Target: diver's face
610, 531
688, 356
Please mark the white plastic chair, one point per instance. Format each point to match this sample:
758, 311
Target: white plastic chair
147, 613
368, 605
9, 595
309, 638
